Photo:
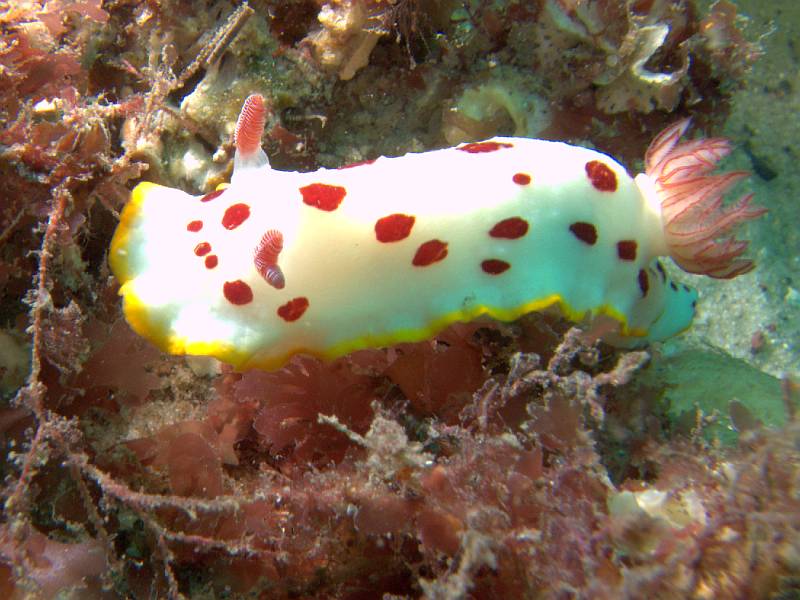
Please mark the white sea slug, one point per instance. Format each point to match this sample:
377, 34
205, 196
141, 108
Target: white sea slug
395, 249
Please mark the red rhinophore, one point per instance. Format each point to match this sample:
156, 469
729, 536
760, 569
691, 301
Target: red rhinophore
323, 196
268, 248
202, 249
274, 276
601, 176
626, 250
695, 222
265, 258
293, 309
211, 261
511, 228
250, 125
644, 282
211, 195
359, 163
194, 226
521, 178
235, 215
481, 147
430, 252
495, 266
393, 228
237, 292
585, 232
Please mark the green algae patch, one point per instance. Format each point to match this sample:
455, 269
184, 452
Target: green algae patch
712, 382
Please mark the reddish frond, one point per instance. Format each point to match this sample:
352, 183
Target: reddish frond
695, 220
250, 125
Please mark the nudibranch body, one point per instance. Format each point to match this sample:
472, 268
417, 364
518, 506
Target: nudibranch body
395, 249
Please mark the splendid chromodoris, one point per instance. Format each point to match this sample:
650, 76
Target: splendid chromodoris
395, 249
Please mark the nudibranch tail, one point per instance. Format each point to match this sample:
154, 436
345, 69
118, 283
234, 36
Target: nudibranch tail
695, 222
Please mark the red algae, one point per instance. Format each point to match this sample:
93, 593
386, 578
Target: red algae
495, 461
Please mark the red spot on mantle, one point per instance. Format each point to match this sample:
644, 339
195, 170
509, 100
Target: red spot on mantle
511, 228
393, 228
323, 196
202, 249
211, 261
194, 226
495, 266
626, 250
585, 232
235, 215
521, 178
293, 309
360, 163
430, 252
601, 176
481, 147
237, 292
211, 196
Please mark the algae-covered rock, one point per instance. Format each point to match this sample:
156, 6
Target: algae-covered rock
710, 381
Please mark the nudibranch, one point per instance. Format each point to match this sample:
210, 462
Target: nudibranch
395, 249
